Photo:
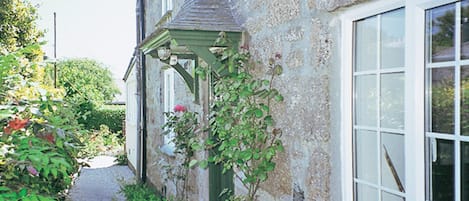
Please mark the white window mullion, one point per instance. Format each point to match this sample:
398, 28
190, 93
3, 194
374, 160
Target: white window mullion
378, 104
457, 83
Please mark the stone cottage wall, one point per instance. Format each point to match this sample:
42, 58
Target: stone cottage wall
306, 34
158, 161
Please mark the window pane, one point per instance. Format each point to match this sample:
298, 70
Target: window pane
443, 171
465, 30
391, 197
465, 100
442, 28
392, 39
465, 171
366, 158
366, 193
392, 161
366, 44
366, 100
442, 100
392, 100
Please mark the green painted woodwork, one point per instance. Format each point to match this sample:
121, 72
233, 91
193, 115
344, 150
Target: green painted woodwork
218, 182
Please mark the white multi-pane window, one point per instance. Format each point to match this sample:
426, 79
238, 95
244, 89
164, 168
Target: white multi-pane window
447, 101
166, 5
378, 113
168, 103
406, 133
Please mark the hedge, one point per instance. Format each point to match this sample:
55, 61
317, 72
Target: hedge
111, 116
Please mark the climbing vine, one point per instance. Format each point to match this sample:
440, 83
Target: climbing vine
243, 136
243, 128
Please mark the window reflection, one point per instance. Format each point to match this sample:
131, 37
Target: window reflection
465, 100
465, 30
442, 33
442, 100
465, 170
443, 172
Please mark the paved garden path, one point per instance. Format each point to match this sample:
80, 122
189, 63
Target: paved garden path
101, 181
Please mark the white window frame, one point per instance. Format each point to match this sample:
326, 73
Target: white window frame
168, 104
414, 91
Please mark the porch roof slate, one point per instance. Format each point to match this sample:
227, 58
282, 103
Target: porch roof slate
205, 15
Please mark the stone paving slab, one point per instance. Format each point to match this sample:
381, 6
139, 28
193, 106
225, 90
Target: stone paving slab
101, 181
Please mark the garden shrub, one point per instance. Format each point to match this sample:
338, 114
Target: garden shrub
37, 157
140, 192
111, 116
102, 141
38, 146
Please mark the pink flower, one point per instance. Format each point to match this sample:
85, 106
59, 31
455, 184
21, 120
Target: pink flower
32, 170
179, 108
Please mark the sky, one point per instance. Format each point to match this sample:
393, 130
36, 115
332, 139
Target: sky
103, 30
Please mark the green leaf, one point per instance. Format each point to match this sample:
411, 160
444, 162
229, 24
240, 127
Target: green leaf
268, 120
278, 69
193, 163
258, 113
23, 192
278, 98
4, 114
246, 155
270, 166
54, 172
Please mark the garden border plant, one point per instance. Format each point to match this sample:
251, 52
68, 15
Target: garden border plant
185, 127
38, 148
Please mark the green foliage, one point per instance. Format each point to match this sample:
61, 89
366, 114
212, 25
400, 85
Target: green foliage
38, 146
86, 81
121, 159
22, 78
442, 110
243, 130
17, 25
23, 194
112, 117
243, 133
102, 141
36, 154
140, 192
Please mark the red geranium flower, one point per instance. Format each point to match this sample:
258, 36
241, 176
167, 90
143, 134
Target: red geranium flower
17, 124
179, 108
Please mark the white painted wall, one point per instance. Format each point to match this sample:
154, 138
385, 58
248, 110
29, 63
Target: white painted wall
131, 119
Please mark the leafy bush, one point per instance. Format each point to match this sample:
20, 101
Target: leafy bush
99, 142
36, 156
38, 147
86, 80
111, 116
140, 192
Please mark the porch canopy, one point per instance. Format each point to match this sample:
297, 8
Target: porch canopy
191, 33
